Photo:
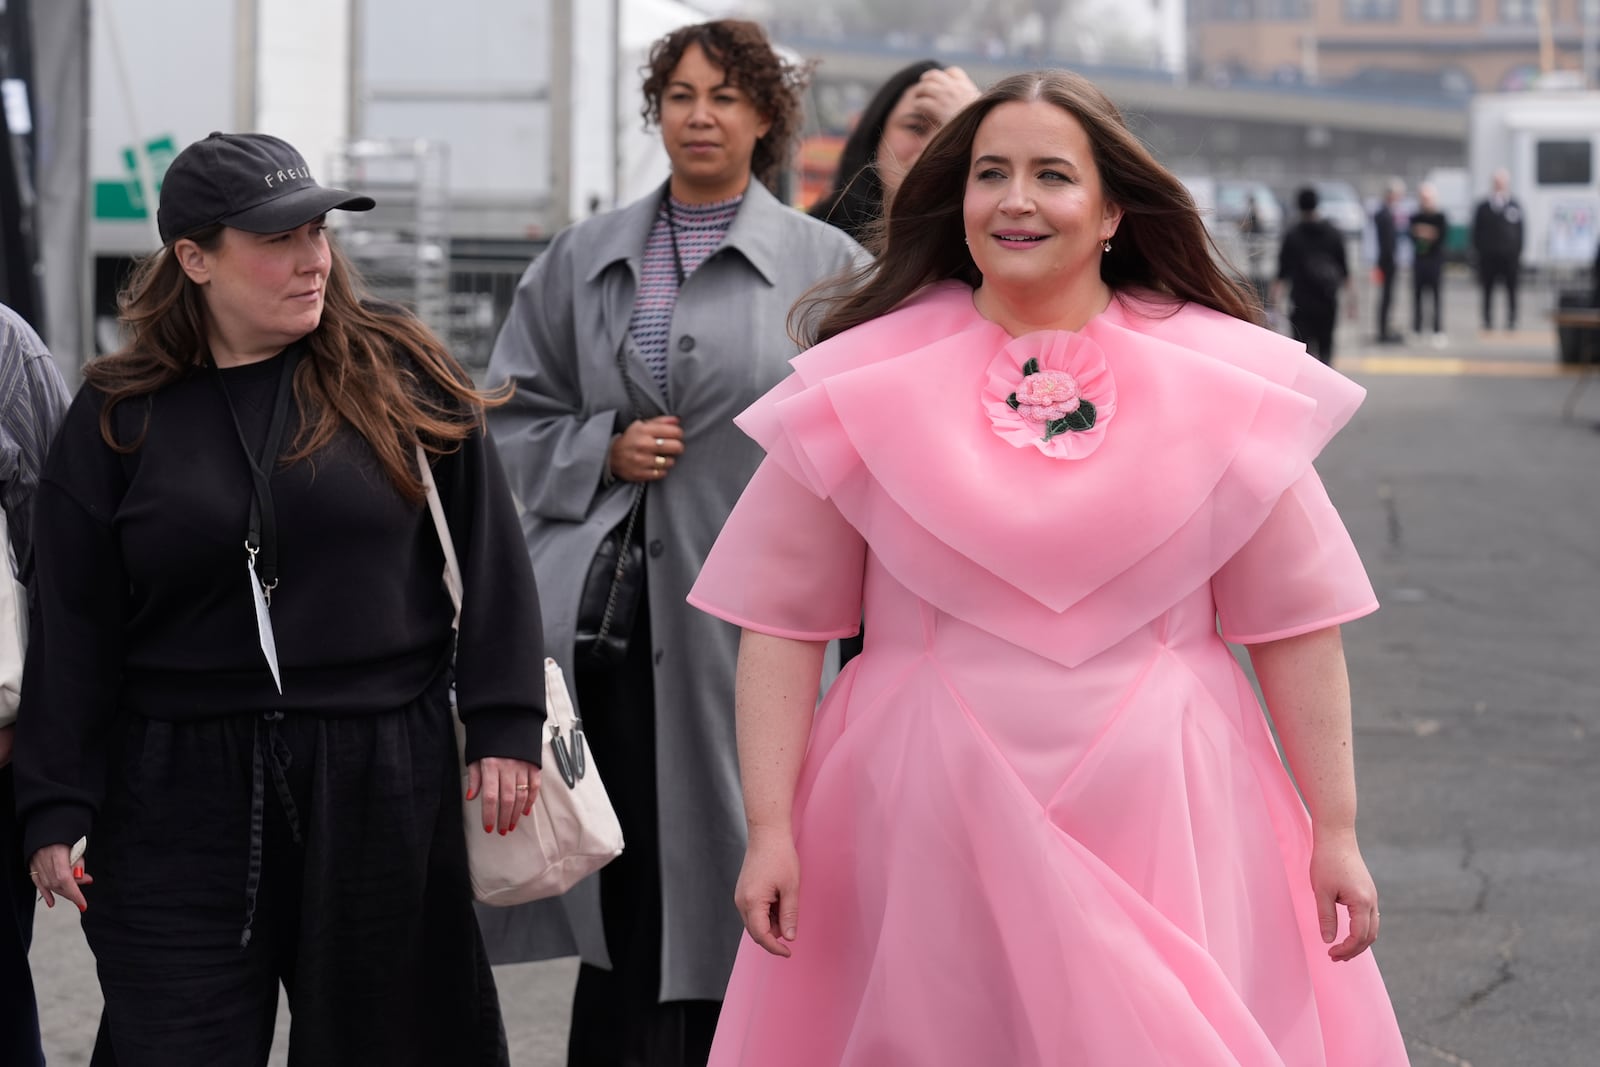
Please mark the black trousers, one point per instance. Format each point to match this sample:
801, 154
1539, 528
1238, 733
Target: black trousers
1385, 301
1499, 270
1425, 279
361, 908
1313, 327
618, 1017
19, 1013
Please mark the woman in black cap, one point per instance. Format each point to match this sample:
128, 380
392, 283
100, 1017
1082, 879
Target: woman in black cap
241, 668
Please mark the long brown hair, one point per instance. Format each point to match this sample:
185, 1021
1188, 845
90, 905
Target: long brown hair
361, 366
1161, 245
741, 51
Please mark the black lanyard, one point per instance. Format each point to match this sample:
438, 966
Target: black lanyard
261, 539
672, 231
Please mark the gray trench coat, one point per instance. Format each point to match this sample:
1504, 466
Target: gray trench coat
728, 345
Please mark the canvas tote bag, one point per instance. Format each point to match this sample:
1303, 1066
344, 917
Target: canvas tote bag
573, 830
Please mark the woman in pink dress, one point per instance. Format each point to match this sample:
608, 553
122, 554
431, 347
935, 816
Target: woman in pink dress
1041, 819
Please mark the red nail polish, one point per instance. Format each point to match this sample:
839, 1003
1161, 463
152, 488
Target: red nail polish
471, 793
77, 872
82, 909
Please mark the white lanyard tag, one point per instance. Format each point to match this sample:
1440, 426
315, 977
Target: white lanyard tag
264, 625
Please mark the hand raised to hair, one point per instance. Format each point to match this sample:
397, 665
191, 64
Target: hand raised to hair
940, 94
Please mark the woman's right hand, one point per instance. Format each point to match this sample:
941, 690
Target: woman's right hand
54, 875
768, 892
647, 449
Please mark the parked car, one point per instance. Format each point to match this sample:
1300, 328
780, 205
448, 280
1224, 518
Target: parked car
1250, 206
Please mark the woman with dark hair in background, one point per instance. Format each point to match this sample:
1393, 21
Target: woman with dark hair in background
897, 124
894, 128
239, 683
1041, 818
633, 341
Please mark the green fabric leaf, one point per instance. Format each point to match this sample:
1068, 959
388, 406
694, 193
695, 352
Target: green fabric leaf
1082, 419
1030, 367
1012, 400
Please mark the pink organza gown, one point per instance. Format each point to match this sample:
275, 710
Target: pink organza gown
1041, 820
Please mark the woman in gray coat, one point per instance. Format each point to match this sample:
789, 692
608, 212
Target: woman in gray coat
689, 290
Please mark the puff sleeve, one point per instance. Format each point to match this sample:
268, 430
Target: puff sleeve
1299, 572
785, 564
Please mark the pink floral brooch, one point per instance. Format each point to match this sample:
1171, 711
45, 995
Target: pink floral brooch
1051, 390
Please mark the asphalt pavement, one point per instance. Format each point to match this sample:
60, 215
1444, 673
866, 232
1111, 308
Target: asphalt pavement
1476, 507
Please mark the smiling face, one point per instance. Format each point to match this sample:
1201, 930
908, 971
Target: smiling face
262, 291
710, 130
1036, 218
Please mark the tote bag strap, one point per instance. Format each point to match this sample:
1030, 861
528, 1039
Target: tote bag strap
452, 566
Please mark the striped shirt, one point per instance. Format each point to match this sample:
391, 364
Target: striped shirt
700, 230
33, 400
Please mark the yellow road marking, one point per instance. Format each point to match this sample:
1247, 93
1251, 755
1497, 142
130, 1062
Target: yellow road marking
1447, 366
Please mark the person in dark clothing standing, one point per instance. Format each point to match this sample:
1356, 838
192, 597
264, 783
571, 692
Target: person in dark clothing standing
239, 683
1426, 230
32, 403
1388, 264
1312, 262
1497, 243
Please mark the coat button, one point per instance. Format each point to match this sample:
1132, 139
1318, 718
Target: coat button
659, 654
656, 548
686, 343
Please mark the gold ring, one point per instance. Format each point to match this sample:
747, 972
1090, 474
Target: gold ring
661, 461
659, 472
522, 789
34, 874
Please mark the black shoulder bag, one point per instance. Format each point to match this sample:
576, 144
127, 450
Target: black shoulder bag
615, 583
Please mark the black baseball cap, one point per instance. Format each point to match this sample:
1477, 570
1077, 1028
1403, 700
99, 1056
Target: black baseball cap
250, 181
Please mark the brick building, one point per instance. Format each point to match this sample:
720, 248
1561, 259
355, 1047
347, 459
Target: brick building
1412, 47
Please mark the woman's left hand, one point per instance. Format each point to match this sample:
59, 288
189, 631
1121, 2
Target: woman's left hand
509, 788
1339, 876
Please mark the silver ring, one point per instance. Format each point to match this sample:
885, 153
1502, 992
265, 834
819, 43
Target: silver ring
522, 789
660, 441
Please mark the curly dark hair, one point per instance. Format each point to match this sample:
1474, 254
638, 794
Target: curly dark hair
741, 49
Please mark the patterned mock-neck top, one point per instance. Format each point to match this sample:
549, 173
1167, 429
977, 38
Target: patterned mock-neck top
700, 229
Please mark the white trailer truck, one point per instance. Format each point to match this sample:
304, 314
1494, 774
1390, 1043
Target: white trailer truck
1549, 142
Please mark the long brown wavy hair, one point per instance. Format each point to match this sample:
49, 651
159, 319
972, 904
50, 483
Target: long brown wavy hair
741, 50
1161, 245
374, 366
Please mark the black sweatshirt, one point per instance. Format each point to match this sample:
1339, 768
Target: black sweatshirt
145, 606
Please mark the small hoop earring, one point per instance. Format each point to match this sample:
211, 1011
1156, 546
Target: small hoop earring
1106, 247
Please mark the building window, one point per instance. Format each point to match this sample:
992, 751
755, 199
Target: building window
1563, 163
1371, 10
1230, 10
1285, 10
1450, 10
1519, 12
